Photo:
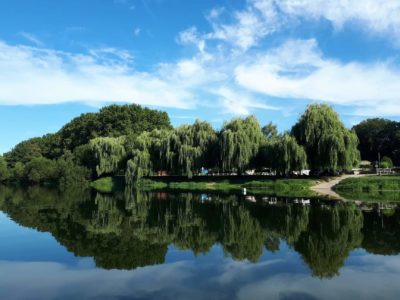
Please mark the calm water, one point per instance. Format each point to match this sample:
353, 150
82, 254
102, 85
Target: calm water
82, 245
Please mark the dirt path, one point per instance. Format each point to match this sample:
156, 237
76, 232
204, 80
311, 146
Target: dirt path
325, 188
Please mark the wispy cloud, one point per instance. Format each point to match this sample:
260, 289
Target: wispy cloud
31, 38
297, 69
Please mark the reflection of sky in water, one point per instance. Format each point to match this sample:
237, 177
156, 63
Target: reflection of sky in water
34, 266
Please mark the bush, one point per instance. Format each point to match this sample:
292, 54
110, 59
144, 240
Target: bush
41, 170
386, 162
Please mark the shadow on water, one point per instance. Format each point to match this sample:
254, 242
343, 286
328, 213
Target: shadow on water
135, 228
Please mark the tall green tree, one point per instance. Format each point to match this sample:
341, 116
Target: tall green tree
194, 147
239, 143
379, 137
109, 153
112, 121
4, 171
41, 170
328, 144
24, 152
270, 131
284, 155
140, 163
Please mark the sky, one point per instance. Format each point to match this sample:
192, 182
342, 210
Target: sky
207, 59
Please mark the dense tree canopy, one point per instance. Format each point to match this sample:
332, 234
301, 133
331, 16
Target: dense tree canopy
109, 153
4, 171
141, 142
112, 121
328, 144
239, 142
284, 154
95, 140
379, 137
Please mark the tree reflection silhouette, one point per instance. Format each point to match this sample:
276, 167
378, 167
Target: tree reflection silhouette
133, 229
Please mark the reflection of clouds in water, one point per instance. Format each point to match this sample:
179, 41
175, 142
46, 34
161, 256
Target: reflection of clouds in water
375, 277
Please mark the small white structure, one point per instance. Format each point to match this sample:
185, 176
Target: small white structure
302, 173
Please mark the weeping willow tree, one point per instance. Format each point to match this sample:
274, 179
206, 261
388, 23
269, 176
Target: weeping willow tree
284, 154
239, 143
328, 144
109, 154
194, 146
140, 163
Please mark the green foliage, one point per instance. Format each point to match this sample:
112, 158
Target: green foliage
284, 154
183, 150
140, 164
328, 144
4, 172
112, 121
109, 154
69, 173
41, 170
330, 237
194, 146
239, 143
379, 136
24, 152
17, 173
270, 131
108, 184
386, 162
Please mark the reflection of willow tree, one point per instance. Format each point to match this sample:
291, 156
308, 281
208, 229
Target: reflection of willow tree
332, 233
242, 235
281, 222
134, 229
381, 232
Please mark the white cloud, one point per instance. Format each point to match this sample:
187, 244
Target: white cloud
261, 18
297, 69
239, 103
375, 16
30, 75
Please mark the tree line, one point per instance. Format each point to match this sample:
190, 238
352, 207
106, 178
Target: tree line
137, 142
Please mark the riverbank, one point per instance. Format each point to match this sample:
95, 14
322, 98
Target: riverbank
279, 187
370, 188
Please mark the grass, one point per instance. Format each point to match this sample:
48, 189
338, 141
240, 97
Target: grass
370, 188
108, 184
278, 187
370, 183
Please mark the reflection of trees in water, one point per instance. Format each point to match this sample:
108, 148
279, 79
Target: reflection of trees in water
134, 229
381, 232
331, 234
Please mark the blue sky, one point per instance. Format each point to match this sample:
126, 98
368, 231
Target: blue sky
205, 59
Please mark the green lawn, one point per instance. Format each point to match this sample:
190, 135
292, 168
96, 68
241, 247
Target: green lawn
370, 188
278, 187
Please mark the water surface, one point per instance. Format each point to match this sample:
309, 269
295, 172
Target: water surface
136, 245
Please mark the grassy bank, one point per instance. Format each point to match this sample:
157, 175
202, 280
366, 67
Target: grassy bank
108, 184
370, 188
369, 184
279, 187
